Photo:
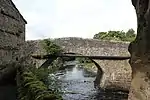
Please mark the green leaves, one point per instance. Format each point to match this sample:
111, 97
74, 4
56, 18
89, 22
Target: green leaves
116, 35
83, 60
31, 88
51, 47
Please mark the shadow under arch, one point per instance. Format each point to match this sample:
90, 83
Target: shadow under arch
100, 72
99, 75
96, 64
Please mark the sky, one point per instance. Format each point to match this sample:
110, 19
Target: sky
75, 18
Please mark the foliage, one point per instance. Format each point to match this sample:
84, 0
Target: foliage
41, 74
39, 84
51, 47
116, 35
46, 76
83, 60
30, 86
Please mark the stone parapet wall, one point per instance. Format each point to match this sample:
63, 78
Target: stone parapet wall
93, 47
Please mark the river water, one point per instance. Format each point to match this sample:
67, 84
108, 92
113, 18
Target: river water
77, 84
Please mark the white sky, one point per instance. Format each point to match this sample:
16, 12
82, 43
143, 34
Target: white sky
75, 18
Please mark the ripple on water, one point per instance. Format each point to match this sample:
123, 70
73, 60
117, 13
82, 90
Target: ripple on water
79, 87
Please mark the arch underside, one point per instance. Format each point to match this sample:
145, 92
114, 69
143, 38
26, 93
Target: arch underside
49, 61
115, 73
99, 71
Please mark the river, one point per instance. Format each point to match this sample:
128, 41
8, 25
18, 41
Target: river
78, 84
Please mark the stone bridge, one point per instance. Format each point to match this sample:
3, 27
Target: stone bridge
92, 47
116, 73
12, 29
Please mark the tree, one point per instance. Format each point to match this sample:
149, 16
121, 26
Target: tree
130, 33
51, 47
116, 35
100, 35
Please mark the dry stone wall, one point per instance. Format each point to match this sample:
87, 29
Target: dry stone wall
12, 30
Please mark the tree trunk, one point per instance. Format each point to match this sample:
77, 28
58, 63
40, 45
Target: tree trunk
140, 53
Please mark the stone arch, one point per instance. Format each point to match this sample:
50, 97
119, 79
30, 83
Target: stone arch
100, 71
96, 64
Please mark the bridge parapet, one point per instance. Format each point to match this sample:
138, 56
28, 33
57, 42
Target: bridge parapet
93, 47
